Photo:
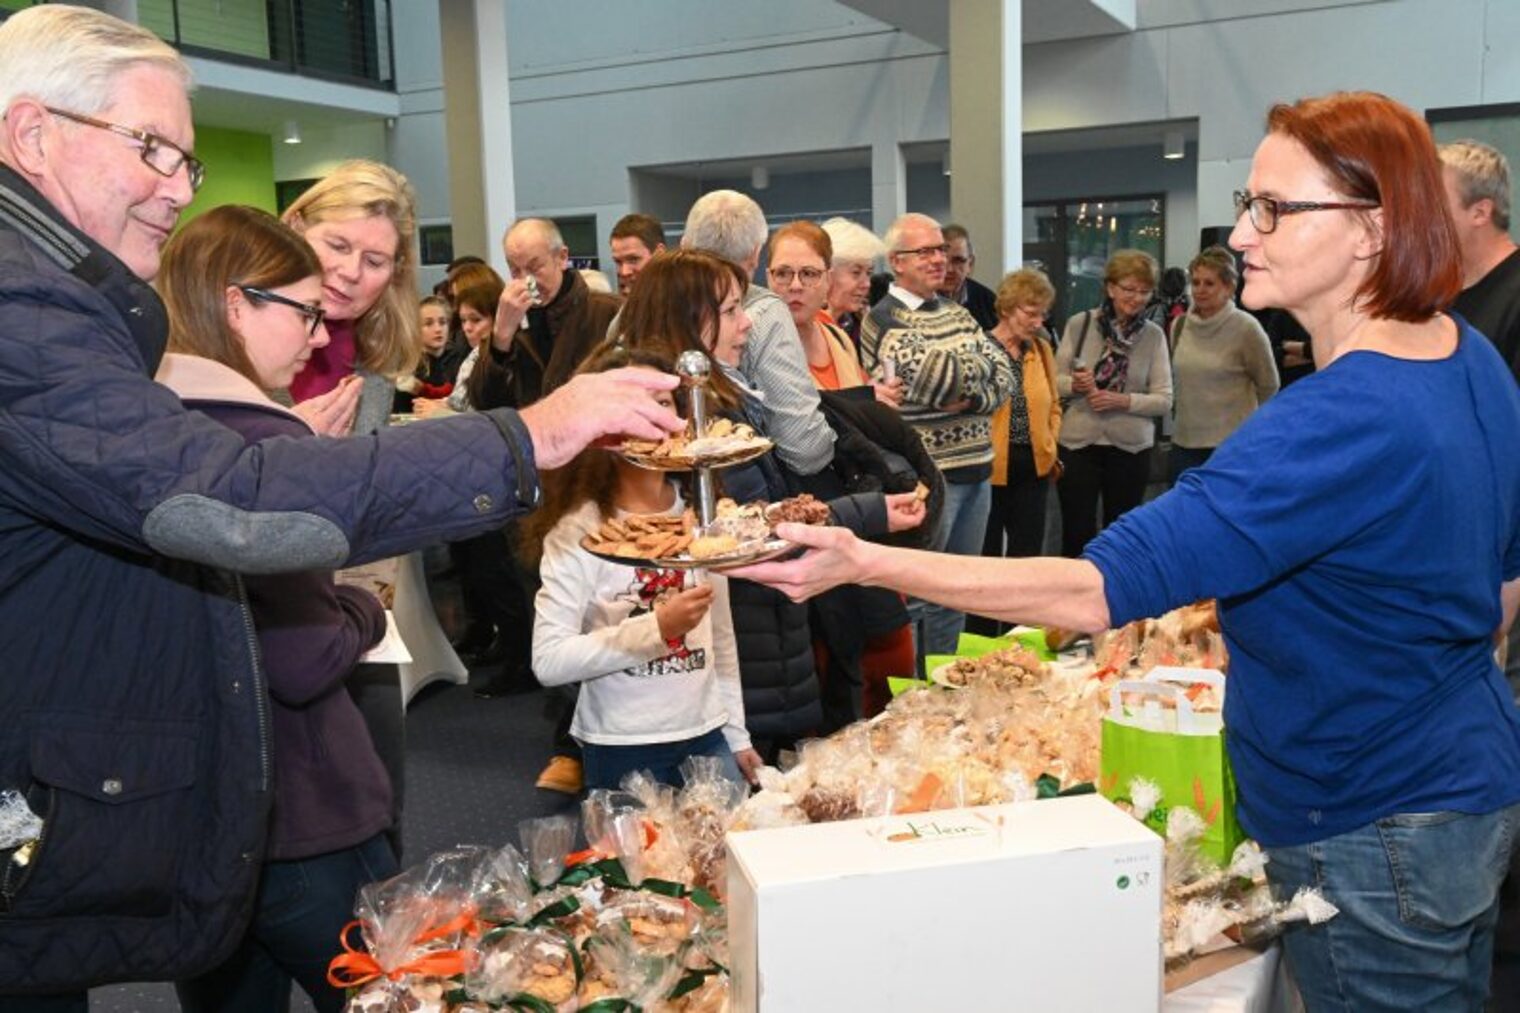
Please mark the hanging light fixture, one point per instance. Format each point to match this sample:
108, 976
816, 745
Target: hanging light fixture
292, 132
1174, 145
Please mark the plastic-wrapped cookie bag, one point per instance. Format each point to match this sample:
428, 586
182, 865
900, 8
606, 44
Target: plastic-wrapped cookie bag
502, 891
546, 841
619, 966
415, 923
535, 962
706, 807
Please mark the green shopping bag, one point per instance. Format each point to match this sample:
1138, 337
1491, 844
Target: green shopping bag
1161, 738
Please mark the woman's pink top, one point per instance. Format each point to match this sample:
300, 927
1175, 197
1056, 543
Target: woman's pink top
329, 364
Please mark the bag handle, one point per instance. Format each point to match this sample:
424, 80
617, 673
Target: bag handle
1158, 692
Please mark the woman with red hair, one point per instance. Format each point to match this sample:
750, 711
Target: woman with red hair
1361, 531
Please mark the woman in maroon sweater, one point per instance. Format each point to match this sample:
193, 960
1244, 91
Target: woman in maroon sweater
244, 297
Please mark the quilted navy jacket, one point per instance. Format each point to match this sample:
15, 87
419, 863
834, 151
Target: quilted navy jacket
133, 713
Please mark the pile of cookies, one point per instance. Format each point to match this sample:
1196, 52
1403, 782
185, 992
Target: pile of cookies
724, 438
643, 536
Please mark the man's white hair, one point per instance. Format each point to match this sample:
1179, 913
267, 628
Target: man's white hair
853, 242
545, 229
903, 224
727, 223
70, 57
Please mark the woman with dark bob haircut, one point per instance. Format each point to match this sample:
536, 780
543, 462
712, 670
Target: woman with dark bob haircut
1362, 534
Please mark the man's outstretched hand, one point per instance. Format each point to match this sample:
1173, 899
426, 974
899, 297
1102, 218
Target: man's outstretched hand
599, 407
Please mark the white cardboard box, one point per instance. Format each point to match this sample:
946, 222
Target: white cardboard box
1044, 906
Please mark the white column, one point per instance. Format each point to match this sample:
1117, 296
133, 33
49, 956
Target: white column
986, 124
478, 121
889, 185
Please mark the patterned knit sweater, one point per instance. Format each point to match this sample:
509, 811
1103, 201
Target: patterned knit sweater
943, 357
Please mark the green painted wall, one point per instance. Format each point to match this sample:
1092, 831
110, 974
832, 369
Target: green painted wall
239, 169
228, 26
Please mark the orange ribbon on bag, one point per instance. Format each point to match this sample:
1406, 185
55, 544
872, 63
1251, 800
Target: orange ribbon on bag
356, 967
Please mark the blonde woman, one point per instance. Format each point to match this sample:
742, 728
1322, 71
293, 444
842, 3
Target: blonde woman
1026, 427
360, 219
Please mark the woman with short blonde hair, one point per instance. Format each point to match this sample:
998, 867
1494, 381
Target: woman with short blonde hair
1026, 426
361, 220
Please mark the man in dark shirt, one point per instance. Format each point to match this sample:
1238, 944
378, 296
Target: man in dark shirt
1477, 190
958, 286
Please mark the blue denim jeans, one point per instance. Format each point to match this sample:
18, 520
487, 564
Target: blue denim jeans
962, 530
302, 906
606, 766
1418, 899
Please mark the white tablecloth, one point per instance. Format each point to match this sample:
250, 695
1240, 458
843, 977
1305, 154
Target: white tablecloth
1260, 985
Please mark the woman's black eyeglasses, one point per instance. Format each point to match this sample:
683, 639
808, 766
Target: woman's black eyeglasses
313, 314
1265, 212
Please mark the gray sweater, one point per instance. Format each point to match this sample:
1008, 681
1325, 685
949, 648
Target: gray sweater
1149, 385
1223, 371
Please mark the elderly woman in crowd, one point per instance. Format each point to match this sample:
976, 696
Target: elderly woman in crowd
1222, 367
1113, 366
1025, 428
856, 251
1362, 534
360, 219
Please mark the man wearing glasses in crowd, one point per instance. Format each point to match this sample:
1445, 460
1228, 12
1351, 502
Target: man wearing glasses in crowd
955, 376
134, 744
958, 286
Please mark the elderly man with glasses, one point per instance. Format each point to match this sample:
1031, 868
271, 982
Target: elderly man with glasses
954, 377
135, 771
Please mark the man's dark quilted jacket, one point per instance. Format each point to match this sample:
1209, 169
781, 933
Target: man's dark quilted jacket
132, 708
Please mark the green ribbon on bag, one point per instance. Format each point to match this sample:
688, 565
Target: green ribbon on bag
694, 978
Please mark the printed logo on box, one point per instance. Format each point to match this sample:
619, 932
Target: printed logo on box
936, 830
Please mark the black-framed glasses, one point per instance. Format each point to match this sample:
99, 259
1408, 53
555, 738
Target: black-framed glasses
925, 252
162, 155
809, 276
313, 314
1265, 212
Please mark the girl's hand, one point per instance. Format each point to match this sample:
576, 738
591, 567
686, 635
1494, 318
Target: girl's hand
678, 614
424, 407
889, 394
332, 414
904, 511
749, 764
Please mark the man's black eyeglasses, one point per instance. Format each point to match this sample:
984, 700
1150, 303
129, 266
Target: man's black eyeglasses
313, 314
162, 155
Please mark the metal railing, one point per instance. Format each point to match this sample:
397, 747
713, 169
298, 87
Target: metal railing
339, 40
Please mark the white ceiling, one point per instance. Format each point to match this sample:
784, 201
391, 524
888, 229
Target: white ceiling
1043, 20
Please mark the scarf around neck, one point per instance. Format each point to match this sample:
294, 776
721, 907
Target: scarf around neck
1112, 369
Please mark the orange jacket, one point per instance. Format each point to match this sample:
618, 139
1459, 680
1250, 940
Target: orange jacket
1044, 413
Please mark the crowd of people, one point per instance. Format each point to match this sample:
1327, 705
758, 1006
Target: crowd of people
190, 660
